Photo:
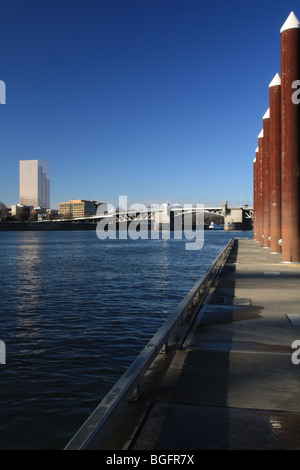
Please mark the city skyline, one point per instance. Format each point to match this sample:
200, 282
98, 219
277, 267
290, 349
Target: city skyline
158, 103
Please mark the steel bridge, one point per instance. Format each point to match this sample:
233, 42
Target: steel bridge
158, 213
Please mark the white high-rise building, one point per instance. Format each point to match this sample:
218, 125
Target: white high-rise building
34, 183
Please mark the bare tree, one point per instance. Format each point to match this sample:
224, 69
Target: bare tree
3, 211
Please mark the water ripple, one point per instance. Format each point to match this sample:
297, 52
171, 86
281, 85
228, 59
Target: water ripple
75, 312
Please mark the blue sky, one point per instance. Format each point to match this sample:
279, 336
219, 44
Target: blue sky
158, 100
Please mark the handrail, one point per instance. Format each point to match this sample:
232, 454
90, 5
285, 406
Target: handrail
104, 418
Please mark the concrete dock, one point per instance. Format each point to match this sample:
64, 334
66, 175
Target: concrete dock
234, 384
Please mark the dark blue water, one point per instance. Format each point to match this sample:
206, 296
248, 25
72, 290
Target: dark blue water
75, 311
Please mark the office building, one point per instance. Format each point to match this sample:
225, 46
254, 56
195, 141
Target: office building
34, 183
78, 208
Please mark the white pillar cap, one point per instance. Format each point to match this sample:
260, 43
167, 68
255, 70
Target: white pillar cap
291, 22
276, 80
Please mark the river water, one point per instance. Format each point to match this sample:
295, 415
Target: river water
75, 311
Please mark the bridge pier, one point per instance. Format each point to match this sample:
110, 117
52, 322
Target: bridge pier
162, 218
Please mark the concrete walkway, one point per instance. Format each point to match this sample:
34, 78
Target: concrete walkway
234, 385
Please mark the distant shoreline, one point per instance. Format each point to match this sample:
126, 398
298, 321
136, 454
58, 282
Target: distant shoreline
53, 225
45, 226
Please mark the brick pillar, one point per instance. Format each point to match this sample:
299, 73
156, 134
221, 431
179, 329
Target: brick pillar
259, 162
254, 199
266, 177
275, 164
290, 140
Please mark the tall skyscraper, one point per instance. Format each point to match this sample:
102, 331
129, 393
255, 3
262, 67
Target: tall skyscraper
35, 183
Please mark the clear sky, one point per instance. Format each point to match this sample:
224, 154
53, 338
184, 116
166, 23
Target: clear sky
158, 100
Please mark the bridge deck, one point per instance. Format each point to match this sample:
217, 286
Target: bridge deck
234, 385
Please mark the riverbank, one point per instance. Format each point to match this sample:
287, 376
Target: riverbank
45, 226
75, 225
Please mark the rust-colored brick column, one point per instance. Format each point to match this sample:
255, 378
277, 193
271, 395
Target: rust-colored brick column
275, 164
259, 168
265, 176
254, 199
290, 140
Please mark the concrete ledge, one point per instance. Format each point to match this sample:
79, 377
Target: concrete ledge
234, 385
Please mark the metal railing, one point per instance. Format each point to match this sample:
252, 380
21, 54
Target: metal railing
104, 419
